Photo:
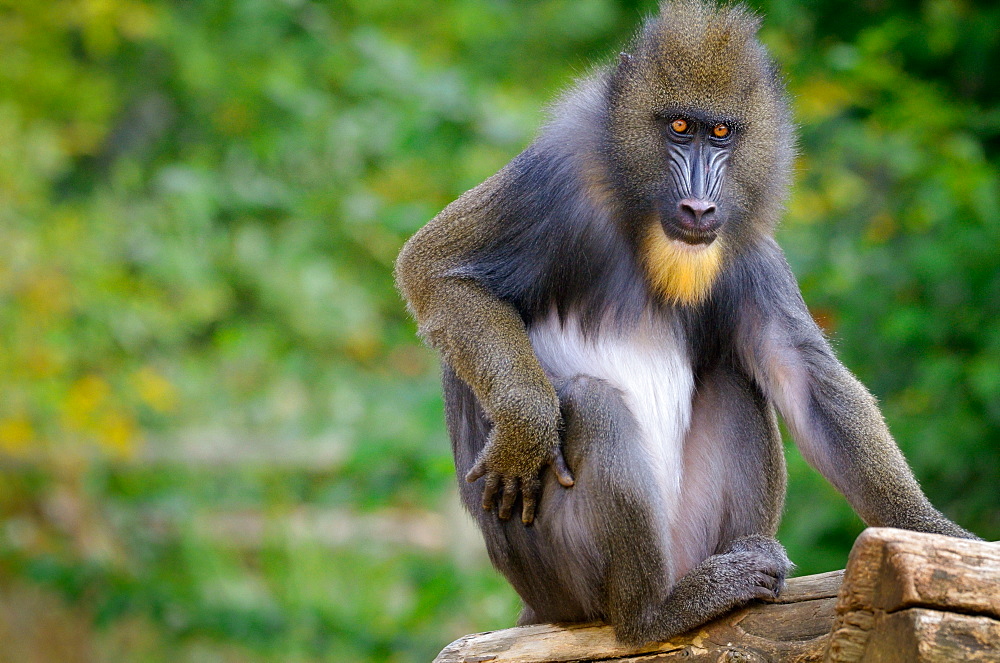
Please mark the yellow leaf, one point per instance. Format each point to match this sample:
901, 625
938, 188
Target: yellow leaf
155, 390
85, 396
16, 436
47, 296
117, 434
881, 228
819, 99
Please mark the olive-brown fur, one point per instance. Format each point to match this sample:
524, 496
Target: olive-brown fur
550, 261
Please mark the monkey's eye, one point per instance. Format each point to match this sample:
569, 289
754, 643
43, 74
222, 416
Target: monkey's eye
680, 125
721, 130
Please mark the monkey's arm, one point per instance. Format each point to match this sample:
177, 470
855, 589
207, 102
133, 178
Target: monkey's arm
835, 421
485, 341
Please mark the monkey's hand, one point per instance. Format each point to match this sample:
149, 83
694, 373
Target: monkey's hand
523, 442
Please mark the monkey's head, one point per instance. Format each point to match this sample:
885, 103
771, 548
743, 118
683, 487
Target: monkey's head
700, 141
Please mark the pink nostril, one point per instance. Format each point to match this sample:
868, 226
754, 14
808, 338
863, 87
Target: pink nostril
693, 209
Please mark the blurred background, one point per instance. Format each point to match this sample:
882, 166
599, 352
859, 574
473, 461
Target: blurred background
220, 439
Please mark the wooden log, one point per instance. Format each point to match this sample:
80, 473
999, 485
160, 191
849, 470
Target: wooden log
918, 598
793, 628
906, 598
918, 634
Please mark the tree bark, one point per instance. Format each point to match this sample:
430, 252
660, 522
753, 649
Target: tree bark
792, 628
905, 597
916, 598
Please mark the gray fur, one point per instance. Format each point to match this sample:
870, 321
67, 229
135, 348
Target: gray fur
599, 551
835, 421
559, 293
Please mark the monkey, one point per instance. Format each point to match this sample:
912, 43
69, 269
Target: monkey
619, 329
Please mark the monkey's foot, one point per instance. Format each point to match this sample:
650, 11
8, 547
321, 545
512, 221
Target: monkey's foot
754, 567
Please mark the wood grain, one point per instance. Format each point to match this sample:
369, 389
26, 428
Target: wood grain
905, 597
792, 628
916, 597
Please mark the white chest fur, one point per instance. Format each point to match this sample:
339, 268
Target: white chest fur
649, 364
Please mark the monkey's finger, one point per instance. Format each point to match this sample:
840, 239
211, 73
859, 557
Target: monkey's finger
528, 509
478, 470
558, 463
766, 582
509, 495
529, 501
763, 594
490, 490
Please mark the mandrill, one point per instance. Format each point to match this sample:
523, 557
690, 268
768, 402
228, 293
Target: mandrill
617, 327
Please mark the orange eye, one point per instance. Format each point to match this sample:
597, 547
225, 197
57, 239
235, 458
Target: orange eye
679, 125
720, 131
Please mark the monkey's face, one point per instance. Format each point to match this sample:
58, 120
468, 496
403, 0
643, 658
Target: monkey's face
698, 143
691, 206
696, 160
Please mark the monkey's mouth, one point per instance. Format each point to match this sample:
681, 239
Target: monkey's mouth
694, 237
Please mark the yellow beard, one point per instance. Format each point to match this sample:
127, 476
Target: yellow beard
680, 273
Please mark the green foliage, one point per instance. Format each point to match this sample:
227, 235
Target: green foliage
219, 436
893, 233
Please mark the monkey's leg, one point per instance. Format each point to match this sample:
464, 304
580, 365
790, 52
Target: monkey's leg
733, 490
604, 536
734, 467
613, 522
540, 569
617, 512
752, 567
